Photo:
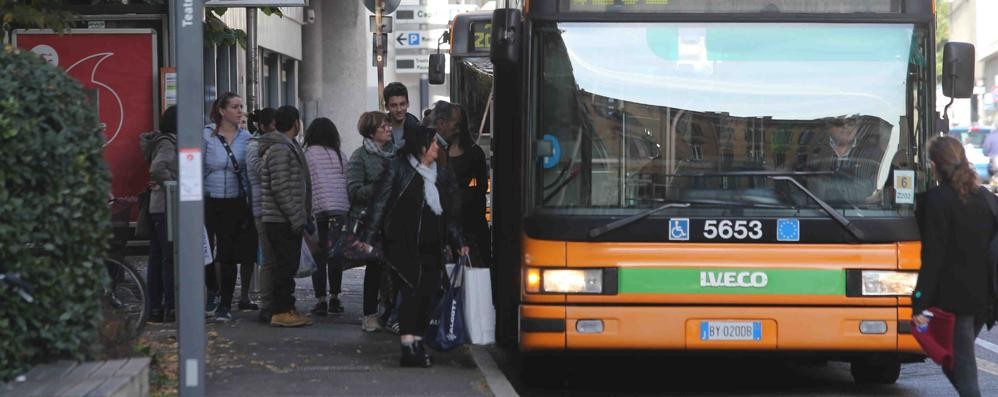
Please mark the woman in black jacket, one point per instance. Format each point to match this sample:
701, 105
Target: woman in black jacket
418, 205
467, 161
956, 227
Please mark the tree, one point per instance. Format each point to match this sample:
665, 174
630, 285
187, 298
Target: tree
48, 14
942, 33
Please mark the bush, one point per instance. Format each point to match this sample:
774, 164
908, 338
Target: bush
54, 221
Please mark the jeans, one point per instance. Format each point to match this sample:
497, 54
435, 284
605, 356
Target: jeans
329, 228
266, 266
372, 286
964, 373
286, 246
159, 272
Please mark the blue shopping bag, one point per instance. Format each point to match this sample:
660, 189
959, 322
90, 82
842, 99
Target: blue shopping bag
447, 328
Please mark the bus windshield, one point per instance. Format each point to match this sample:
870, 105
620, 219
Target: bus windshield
637, 114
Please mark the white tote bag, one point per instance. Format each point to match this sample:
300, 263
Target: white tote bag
479, 314
306, 264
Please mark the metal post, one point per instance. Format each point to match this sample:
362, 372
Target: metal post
190, 260
251, 50
380, 52
424, 94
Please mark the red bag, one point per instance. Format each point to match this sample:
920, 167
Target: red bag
937, 340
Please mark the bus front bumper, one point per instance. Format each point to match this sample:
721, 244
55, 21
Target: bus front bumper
831, 329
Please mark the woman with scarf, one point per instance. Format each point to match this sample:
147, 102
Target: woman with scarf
418, 203
364, 170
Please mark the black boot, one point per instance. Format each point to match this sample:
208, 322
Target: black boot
426, 358
156, 316
414, 356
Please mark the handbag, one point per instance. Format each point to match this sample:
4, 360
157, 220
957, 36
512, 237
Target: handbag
247, 220
447, 329
143, 225
306, 261
937, 340
343, 248
479, 314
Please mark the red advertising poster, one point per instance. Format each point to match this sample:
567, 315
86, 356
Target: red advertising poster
118, 67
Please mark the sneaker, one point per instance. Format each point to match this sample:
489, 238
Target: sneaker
320, 309
155, 316
247, 305
370, 323
211, 305
223, 314
288, 319
393, 327
335, 306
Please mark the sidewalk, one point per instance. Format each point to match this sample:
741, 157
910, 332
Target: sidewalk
333, 357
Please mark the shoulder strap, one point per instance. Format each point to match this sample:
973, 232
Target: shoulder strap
235, 163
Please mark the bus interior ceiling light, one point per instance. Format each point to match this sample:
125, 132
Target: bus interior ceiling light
573, 281
888, 283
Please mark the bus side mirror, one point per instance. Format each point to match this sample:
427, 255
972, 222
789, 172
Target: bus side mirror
438, 64
506, 36
958, 70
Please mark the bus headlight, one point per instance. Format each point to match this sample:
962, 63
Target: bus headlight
888, 283
573, 281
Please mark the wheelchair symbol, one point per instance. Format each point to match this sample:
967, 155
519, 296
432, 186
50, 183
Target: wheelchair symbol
679, 229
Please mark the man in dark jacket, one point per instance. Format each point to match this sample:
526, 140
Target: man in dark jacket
286, 199
397, 103
160, 151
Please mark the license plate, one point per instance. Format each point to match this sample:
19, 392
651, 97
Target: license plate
731, 330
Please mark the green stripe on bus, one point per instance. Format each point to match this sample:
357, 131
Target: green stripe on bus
732, 281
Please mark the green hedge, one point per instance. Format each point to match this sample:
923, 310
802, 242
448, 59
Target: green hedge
54, 221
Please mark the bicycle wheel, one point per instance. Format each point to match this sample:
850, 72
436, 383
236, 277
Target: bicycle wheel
127, 296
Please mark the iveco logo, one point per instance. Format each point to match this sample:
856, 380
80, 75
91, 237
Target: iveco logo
733, 279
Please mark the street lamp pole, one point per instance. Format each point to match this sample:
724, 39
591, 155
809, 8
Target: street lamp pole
189, 15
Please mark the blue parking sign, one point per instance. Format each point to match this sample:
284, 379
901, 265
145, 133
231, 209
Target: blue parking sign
413, 38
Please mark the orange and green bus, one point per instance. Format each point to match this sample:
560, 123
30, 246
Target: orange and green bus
725, 175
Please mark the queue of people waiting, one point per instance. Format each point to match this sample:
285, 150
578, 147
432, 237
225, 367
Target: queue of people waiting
416, 190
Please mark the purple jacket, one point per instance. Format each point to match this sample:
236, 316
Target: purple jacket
329, 180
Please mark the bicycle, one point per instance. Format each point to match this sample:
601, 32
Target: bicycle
126, 296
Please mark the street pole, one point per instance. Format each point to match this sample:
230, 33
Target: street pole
190, 259
251, 80
380, 52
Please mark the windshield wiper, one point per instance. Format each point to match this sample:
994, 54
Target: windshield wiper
755, 173
617, 224
852, 229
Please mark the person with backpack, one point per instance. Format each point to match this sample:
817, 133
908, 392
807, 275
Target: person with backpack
160, 151
957, 272
330, 206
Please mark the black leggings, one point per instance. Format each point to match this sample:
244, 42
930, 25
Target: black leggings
225, 219
329, 231
414, 313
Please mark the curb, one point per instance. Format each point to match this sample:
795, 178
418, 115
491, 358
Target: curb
495, 379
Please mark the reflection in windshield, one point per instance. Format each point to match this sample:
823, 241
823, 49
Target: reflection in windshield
648, 112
